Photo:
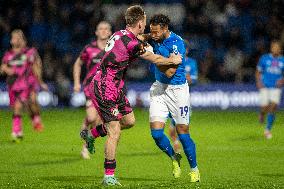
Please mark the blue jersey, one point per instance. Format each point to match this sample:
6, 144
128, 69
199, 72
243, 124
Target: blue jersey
172, 44
191, 69
271, 68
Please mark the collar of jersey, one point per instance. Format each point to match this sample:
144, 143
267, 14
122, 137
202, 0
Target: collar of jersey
131, 34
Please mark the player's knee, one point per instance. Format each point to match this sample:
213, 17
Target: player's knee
126, 124
273, 107
91, 119
114, 135
182, 129
157, 133
130, 123
17, 107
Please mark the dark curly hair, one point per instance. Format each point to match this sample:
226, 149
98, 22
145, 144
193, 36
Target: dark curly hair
160, 19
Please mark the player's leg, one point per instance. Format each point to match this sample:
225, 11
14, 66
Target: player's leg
189, 150
128, 119
16, 106
89, 135
158, 113
113, 134
17, 131
274, 97
92, 118
178, 100
174, 137
264, 102
34, 111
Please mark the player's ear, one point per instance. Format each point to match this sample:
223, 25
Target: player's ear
139, 25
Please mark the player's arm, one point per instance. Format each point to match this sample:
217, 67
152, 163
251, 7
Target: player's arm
37, 70
144, 37
160, 60
168, 70
258, 74
76, 74
258, 79
188, 78
192, 76
280, 82
6, 69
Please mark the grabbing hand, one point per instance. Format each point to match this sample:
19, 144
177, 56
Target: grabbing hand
259, 84
280, 83
44, 86
176, 58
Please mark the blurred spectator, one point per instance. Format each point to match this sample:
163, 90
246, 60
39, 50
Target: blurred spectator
38, 30
63, 86
227, 35
233, 62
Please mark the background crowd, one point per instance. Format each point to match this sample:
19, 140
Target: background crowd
226, 37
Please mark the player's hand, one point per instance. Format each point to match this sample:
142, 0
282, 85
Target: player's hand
176, 58
144, 37
280, 83
259, 84
44, 86
77, 88
149, 48
9, 72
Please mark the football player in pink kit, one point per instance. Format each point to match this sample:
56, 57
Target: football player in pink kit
107, 87
22, 66
91, 56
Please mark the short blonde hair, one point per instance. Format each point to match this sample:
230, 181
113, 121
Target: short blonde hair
20, 32
134, 14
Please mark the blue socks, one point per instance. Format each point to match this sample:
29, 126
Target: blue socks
162, 141
270, 120
189, 149
164, 144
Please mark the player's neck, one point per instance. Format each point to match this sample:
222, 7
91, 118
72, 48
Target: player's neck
17, 49
133, 30
167, 34
275, 55
101, 43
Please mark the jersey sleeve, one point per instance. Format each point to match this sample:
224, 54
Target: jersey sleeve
194, 70
84, 54
136, 48
32, 54
261, 64
282, 60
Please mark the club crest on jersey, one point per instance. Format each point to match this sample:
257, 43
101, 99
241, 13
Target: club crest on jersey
175, 49
96, 60
115, 112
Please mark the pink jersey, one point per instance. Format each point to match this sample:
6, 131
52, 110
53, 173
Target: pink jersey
21, 63
91, 55
122, 49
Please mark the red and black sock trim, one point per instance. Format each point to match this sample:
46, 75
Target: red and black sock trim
34, 115
101, 130
110, 164
16, 116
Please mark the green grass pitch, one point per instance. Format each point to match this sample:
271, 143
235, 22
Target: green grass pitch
231, 152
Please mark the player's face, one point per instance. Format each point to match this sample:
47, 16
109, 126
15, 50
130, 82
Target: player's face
157, 32
275, 48
142, 25
103, 31
17, 40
